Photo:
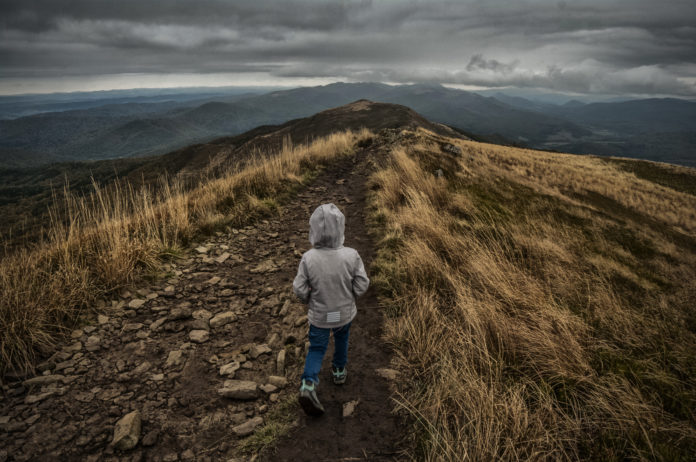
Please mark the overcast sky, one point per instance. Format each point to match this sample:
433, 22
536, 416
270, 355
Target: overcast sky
617, 47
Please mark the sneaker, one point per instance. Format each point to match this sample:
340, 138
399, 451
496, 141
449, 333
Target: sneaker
339, 375
308, 399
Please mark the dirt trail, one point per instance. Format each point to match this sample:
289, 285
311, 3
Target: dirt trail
159, 351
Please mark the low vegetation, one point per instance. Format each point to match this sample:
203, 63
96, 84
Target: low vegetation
112, 238
541, 305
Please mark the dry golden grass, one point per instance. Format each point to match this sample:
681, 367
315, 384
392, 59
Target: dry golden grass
112, 238
542, 304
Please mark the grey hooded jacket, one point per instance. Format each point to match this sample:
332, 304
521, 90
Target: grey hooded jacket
330, 277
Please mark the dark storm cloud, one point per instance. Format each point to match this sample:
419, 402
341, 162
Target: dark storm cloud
588, 46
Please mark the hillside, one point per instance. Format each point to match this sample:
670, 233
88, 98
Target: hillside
661, 130
525, 305
26, 194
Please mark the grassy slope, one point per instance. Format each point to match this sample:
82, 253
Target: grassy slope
112, 238
541, 303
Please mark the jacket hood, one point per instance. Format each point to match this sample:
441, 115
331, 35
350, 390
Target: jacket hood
327, 227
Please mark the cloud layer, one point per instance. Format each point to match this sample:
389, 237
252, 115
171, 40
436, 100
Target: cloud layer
586, 46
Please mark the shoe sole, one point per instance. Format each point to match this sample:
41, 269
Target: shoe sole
309, 407
339, 382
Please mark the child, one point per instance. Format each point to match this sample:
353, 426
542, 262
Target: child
330, 278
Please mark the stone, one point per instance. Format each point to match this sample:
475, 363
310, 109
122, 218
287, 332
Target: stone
257, 350
267, 266
248, 427
182, 311
76, 334
201, 324
202, 249
89, 329
175, 358
199, 336
43, 380
284, 310
65, 365
202, 314
273, 339
214, 280
150, 438
188, 455
32, 399
152, 296
268, 388
132, 326
157, 377
136, 303
300, 321
93, 343
142, 368
349, 407
157, 324
127, 431
222, 319
230, 369
170, 457
280, 362
452, 149
77, 346
277, 381
389, 374
223, 257
239, 389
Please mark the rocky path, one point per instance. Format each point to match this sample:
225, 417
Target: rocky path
186, 368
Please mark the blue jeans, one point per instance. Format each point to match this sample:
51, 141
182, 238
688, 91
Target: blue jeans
318, 342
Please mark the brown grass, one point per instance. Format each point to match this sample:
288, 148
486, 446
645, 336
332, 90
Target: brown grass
542, 304
111, 239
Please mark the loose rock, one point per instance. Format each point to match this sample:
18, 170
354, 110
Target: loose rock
268, 388
247, 428
349, 407
280, 362
127, 431
43, 380
222, 319
277, 381
199, 336
257, 350
239, 389
230, 369
223, 257
136, 303
202, 314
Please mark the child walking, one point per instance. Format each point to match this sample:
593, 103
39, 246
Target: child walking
330, 278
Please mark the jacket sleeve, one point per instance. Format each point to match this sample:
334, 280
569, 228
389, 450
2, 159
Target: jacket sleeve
360, 279
301, 285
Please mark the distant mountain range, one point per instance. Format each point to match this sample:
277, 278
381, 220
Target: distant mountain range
26, 193
655, 129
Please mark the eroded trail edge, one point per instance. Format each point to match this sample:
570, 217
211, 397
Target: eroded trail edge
164, 354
